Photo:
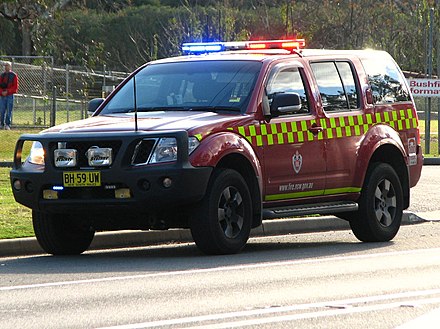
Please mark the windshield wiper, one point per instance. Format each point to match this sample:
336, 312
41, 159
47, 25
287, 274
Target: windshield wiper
217, 108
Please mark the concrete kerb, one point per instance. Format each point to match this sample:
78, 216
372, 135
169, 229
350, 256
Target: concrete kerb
126, 239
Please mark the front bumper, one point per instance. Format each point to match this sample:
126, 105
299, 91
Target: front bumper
145, 189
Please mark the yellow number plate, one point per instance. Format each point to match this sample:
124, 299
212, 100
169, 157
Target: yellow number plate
81, 178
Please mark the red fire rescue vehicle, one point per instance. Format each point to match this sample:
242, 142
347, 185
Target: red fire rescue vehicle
223, 137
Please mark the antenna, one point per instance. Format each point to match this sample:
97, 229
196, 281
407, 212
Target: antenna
135, 105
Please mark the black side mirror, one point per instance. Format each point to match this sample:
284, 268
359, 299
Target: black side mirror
284, 103
94, 104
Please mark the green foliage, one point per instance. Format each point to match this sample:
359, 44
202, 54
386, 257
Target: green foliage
123, 34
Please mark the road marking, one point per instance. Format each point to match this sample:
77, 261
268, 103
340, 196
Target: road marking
291, 317
220, 269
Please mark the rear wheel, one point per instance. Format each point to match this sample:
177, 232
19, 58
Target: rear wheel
59, 234
381, 205
221, 223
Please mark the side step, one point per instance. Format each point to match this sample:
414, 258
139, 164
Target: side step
326, 208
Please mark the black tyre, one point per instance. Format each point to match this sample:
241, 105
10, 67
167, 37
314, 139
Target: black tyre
60, 234
221, 223
380, 207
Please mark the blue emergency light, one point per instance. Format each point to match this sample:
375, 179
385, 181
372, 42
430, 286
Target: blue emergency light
202, 47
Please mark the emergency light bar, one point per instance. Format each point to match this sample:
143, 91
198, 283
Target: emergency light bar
196, 48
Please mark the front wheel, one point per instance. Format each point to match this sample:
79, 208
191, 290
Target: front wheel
59, 234
221, 223
381, 205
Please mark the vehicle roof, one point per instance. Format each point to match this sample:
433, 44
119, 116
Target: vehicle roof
271, 54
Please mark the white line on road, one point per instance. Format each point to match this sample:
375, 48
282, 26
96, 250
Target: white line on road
292, 317
221, 269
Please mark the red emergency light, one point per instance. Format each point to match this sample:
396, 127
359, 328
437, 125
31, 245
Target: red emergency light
293, 44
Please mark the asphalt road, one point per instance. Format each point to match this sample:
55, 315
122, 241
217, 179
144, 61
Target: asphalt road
425, 196
313, 280
310, 280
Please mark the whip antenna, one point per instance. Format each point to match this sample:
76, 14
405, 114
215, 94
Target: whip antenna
135, 105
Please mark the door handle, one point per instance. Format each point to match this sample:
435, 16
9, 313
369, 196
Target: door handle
315, 129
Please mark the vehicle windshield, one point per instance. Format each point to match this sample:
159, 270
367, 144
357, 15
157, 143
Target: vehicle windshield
188, 86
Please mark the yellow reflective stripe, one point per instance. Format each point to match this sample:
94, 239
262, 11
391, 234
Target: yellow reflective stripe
252, 131
294, 195
342, 190
378, 118
280, 138
241, 131
275, 197
269, 140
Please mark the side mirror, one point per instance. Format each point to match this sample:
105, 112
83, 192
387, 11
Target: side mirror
285, 103
94, 104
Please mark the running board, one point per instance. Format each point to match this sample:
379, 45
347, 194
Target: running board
327, 208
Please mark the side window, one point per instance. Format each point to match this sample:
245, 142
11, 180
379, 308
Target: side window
386, 81
288, 80
346, 73
336, 85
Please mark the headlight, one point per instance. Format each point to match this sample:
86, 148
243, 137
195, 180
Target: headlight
36, 154
166, 149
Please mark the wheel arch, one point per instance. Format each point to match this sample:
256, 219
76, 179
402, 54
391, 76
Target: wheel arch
383, 144
389, 153
241, 164
230, 150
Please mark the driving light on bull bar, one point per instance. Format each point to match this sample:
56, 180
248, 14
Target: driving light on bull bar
99, 157
65, 158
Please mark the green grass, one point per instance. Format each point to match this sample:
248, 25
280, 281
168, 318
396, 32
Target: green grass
8, 140
15, 219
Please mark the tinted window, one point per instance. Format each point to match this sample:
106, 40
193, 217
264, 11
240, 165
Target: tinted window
386, 81
202, 85
336, 85
288, 80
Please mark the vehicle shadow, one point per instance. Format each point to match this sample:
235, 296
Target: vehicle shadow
186, 256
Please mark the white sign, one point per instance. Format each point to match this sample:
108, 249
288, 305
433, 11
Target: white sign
424, 87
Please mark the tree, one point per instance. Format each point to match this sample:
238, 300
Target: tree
26, 13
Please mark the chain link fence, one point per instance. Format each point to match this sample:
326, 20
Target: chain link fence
50, 95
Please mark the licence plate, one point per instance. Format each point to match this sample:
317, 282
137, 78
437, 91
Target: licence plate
81, 178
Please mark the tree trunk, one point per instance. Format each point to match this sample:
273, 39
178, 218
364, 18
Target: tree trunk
26, 44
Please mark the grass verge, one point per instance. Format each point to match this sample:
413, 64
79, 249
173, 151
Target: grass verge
15, 219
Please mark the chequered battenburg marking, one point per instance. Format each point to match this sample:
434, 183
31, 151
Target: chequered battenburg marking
344, 126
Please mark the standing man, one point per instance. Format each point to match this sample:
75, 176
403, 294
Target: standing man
8, 87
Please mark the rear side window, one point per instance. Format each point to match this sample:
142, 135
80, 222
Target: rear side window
386, 80
336, 85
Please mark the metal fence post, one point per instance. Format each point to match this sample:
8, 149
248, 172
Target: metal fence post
67, 92
54, 106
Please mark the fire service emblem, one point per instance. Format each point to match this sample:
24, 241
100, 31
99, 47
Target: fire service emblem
297, 161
